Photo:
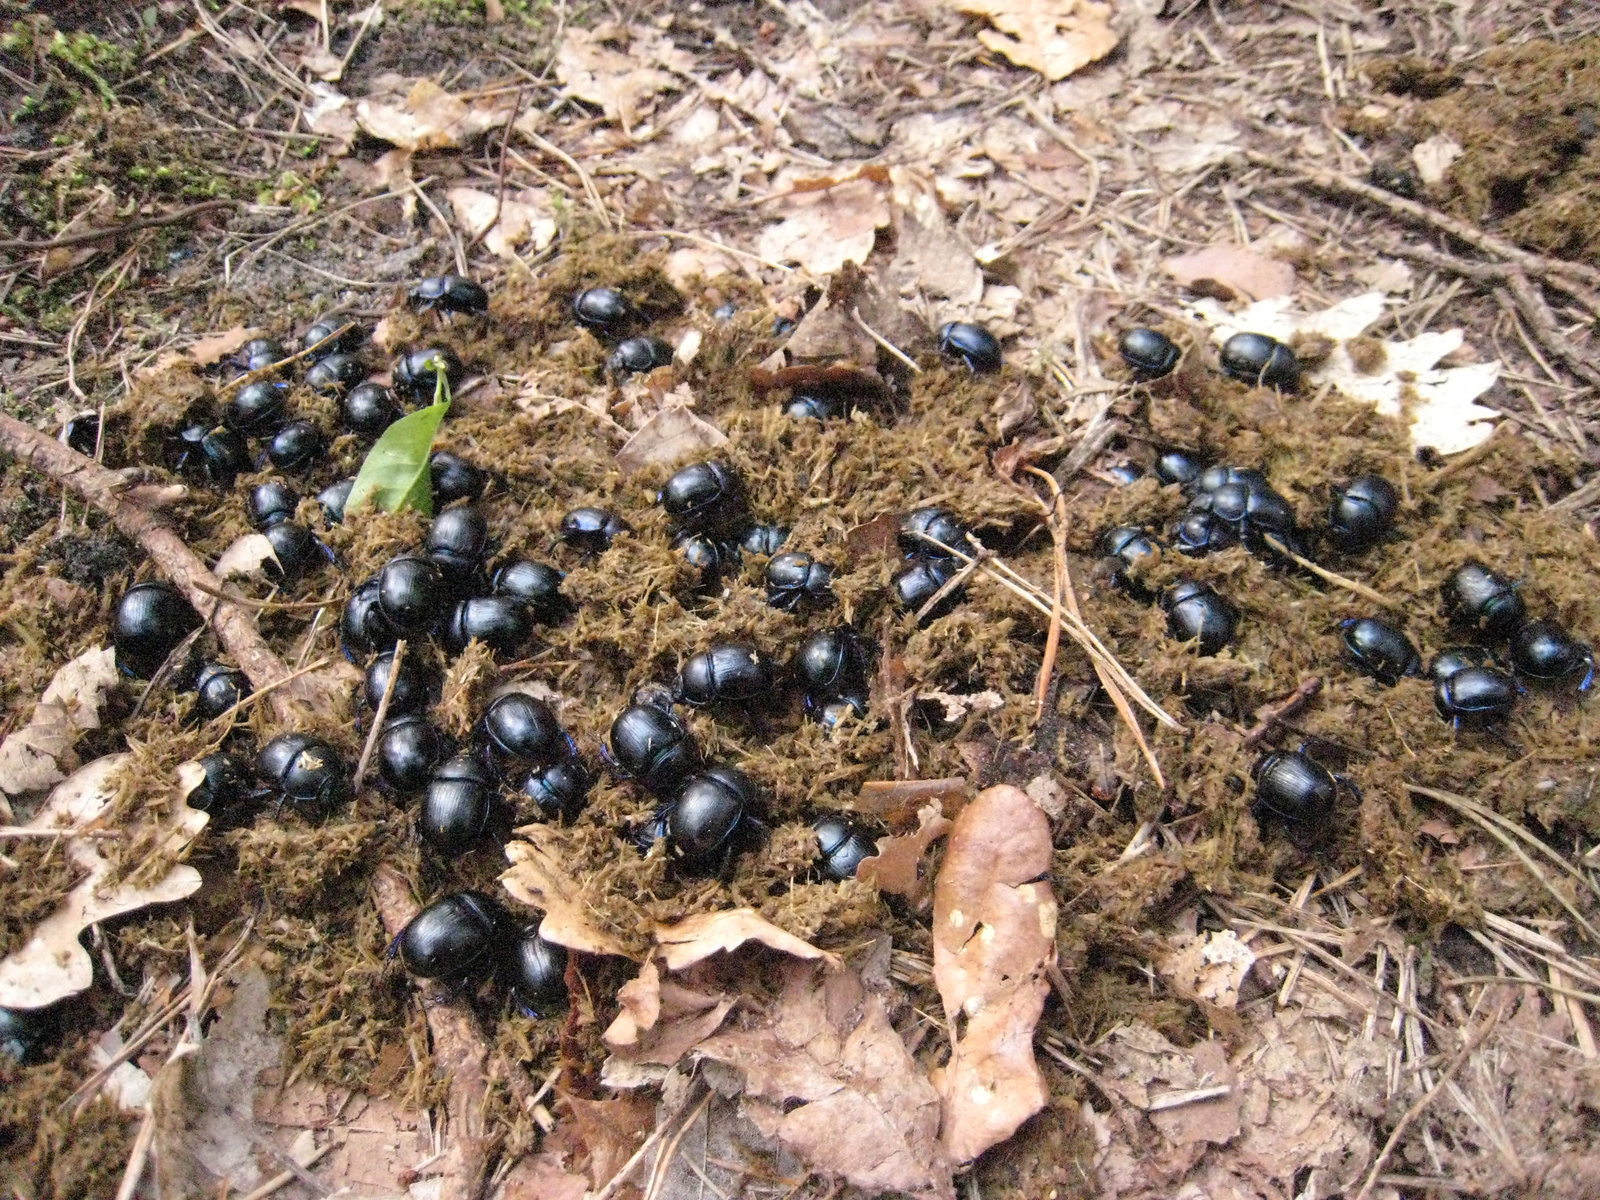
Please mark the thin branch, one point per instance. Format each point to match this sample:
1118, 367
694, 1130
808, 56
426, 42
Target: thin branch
108, 232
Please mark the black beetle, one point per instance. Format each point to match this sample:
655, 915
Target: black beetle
448, 294
535, 971
257, 409
454, 939
704, 497
1214, 477
592, 530
258, 353
225, 792
972, 344
150, 622
1253, 512
412, 593
213, 456
295, 551
333, 498
458, 540
335, 373
816, 406
1362, 512
408, 749
363, 628
452, 478
709, 555
1380, 650
502, 623
726, 673
218, 688
714, 818
459, 805
272, 502
922, 581
23, 1031
520, 733
649, 743
1474, 697
783, 326
369, 408
764, 539
304, 770
833, 712
82, 433
602, 309
1133, 548
536, 584
1262, 361
1202, 532
637, 355
1476, 598
795, 579
831, 663
1124, 473
412, 689
1297, 791
417, 372
934, 523
1195, 611
724, 311
1546, 653
298, 446
1178, 466
1149, 353
841, 845
560, 789
1457, 658
326, 328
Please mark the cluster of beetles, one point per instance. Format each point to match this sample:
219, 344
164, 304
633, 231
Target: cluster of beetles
453, 590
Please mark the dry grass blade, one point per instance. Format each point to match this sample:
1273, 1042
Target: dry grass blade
1349, 585
390, 684
1463, 804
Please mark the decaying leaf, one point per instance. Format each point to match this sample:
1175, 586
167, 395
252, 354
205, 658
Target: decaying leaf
661, 1020
536, 878
823, 230
897, 867
1434, 156
1238, 269
994, 922
618, 81
670, 434
40, 753
697, 938
522, 217
1053, 37
1210, 966
246, 558
214, 347
1177, 1088
611, 1129
931, 258
421, 115
827, 1075
52, 964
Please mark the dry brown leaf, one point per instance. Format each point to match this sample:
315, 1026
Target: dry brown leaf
823, 230
214, 347
421, 115
830, 1078
246, 558
897, 867
1149, 1072
1210, 966
670, 434
536, 879
542, 1177
611, 1130
697, 938
331, 115
52, 964
994, 922
1239, 269
616, 81
40, 753
389, 172
521, 217
931, 258
662, 1020
1053, 37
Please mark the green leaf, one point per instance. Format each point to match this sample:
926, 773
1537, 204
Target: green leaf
395, 474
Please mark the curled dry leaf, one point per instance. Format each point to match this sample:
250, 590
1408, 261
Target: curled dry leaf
661, 1020
40, 753
536, 878
823, 230
214, 347
697, 938
611, 1130
423, 116
670, 434
1053, 37
1434, 156
994, 922
52, 964
897, 867
521, 217
1238, 269
246, 558
827, 1075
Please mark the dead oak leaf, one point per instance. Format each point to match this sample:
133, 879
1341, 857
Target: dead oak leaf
214, 347
1053, 37
994, 924
670, 434
697, 938
423, 116
897, 867
611, 79
661, 1020
40, 753
518, 217
537, 879
611, 1130
823, 230
1240, 270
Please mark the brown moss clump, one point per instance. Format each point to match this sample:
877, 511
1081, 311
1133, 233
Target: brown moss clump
45, 1151
50, 875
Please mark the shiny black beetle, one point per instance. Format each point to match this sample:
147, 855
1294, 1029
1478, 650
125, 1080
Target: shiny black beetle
1149, 353
560, 789
604, 310
1252, 511
935, 523
1471, 696
1203, 532
411, 689
763, 539
448, 294
816, 405
1295, 790
218, 688
638, 355
1362, 512
225, 792
23, 1032
592, 530
82, 433
711, 556
650, 744
714, 818
1262, 361
831, 663
726, 673
922, 581
363, 629
416, 373
536, 584
212, 456
458, 541
149, 623
305, 771
1178, 466
535, 971
520, 733
460, 805
1546, 653
257, 354
271, 502
408, 749
971, 344
298, 446
841, 845
257, 409
412, 594
369, 408
502, 623
704, 497
454, 939
796, 580
1476, 598
1134, 551
1380, 650
334, 373
452, 478
326, 328
1196, 613
333, 498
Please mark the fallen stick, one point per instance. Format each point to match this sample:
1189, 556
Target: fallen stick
108, 232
